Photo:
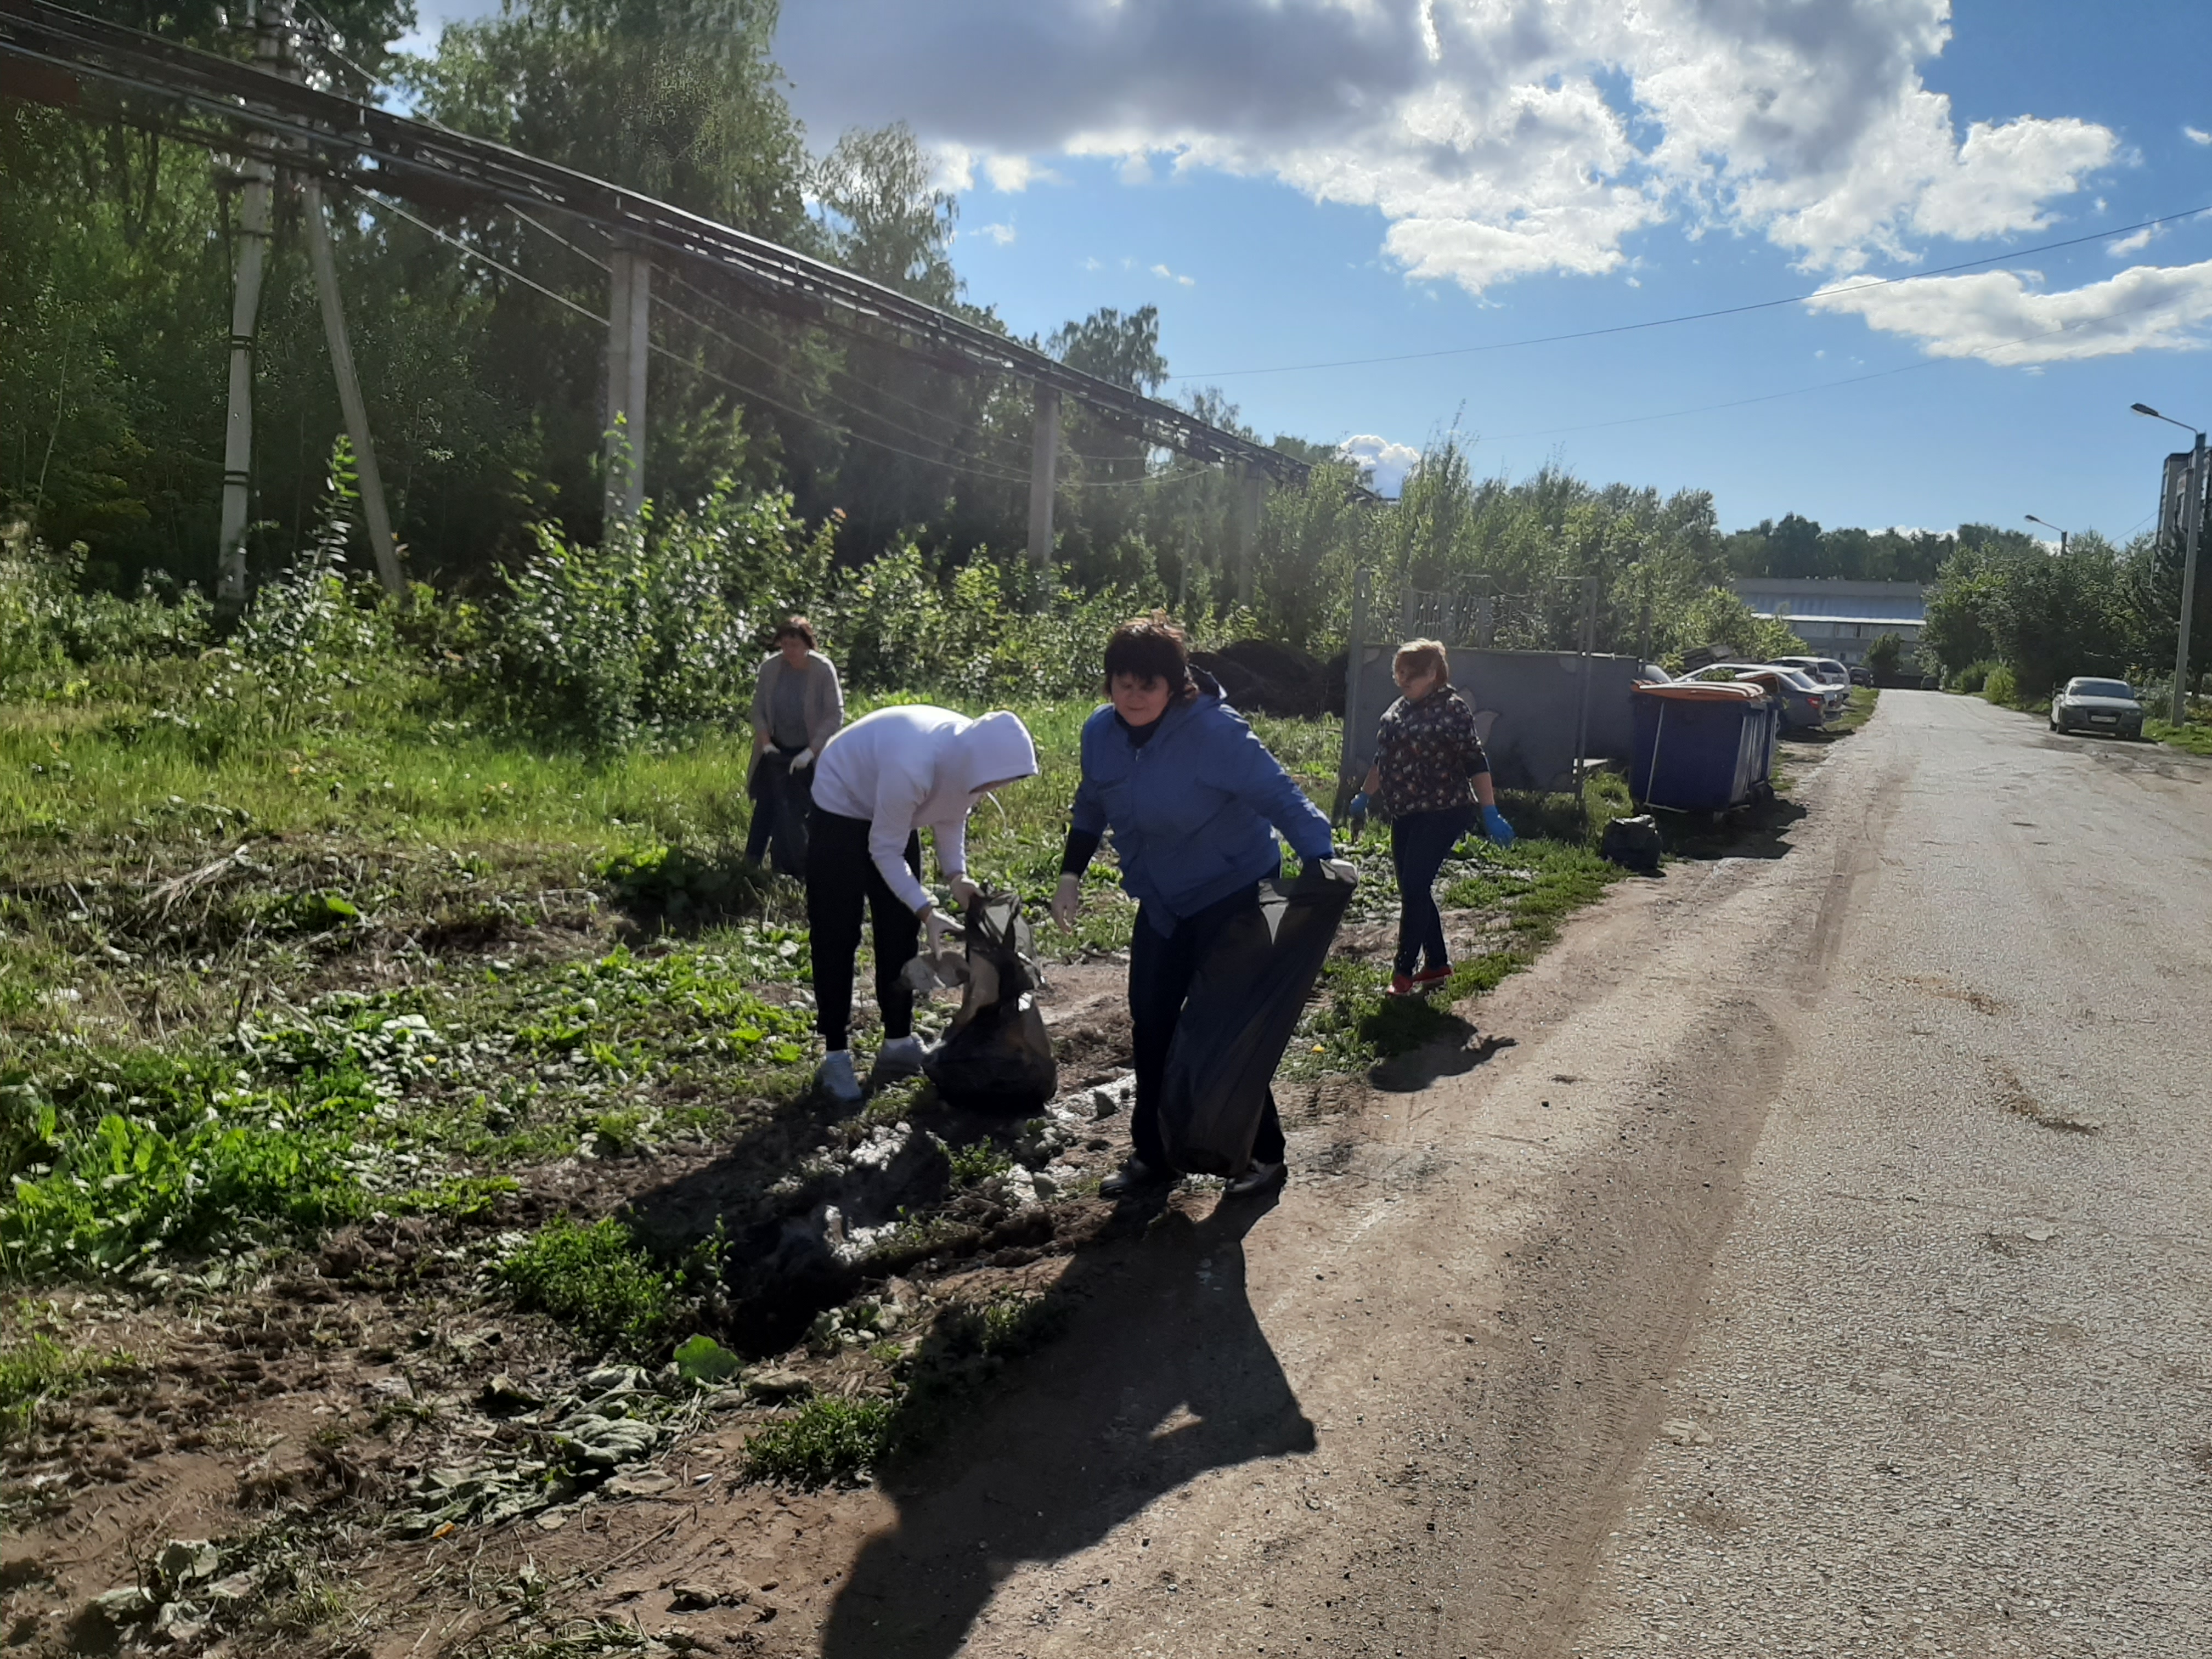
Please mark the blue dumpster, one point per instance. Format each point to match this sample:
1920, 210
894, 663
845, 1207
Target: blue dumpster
1701, 746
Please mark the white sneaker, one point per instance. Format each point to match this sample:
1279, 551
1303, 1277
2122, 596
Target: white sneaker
901, 1057
835, 1079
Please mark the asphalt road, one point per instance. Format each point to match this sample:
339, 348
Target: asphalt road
1819, 1267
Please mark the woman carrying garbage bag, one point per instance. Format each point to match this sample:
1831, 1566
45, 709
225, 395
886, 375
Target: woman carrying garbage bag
877, 784
1189, 793
798, 707
1431, 773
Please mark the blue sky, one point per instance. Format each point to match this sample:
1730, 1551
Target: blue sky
1297, 182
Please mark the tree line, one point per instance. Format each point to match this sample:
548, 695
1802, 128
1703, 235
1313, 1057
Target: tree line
893, 493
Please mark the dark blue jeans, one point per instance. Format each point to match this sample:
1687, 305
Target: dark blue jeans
1420, 842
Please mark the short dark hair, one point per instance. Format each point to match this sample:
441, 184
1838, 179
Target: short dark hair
1149, 648
795, 628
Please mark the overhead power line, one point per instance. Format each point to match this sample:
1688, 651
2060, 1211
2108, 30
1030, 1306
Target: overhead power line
1695, 316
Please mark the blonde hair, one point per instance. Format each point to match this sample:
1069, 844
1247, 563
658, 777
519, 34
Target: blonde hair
1424, 657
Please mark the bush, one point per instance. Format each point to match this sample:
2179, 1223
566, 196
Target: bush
829, 1440
1884, 655
2000, 688
1971, 678
650, 629
594, 1279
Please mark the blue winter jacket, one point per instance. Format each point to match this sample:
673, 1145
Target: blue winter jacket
1190, 808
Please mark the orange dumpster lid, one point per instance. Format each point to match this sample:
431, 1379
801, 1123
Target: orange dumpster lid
1703, 691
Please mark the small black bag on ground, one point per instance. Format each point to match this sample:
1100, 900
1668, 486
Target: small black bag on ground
997, 1057
1245, 1002
1633, 844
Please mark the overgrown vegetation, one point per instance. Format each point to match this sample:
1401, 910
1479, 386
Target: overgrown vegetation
2004, 604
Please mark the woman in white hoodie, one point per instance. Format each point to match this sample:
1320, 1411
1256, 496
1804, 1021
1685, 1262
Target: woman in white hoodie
877, 784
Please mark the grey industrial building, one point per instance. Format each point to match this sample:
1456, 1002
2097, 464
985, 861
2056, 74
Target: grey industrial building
1838, 618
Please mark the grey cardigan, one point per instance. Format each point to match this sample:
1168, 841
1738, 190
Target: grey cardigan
825, 698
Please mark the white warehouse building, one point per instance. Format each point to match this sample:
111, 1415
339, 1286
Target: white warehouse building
1838, 618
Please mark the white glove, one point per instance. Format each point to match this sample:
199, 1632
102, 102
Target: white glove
964, 892
935, 930
1068, 900
803, 758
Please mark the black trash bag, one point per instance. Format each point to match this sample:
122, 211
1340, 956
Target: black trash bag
1245, 1002
1634, 844
997, 1057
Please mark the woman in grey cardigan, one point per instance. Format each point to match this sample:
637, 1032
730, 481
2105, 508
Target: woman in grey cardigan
798, 707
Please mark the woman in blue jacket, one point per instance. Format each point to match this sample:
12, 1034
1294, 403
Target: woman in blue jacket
1190, 795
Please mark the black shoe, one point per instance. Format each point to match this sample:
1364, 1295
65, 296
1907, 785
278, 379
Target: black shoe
1135, 1177
1256, 1179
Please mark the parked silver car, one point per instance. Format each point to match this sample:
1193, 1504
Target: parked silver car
1804, 701
1824, 671
2093, 705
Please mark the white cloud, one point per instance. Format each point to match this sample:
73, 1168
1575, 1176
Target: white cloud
2003, 316
1386, 463
2136, 243
1167, 275
1011, 175
2197, 135
1001, 234
1498, 138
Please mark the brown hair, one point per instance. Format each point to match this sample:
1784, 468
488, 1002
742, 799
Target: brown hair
795, 628
1151, 649
1424, 657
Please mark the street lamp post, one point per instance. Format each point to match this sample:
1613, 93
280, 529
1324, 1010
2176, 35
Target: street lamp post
2179, 712
2047, 525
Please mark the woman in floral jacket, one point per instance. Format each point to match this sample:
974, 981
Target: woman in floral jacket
1431, 774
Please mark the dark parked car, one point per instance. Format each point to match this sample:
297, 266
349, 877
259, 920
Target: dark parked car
1861, 675
2089, 705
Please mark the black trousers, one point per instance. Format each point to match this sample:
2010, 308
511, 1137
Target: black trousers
781, 800
1419, 843
841, 878
1160, 972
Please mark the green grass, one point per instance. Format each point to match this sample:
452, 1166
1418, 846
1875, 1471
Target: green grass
1859, 710
596, 1280
2195, 738
35, 1369
827, 1441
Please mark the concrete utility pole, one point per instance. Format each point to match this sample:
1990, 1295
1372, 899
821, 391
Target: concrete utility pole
1044, 458
2192, 518
325, 264
629, 350
2192, 523
1248, 533
269, 22
1355, 654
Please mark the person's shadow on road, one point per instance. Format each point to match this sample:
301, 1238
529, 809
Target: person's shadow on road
1163, 1374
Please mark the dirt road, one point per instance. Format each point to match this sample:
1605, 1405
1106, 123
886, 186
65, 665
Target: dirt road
1821, 1267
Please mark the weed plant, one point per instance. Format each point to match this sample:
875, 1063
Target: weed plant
595, 1279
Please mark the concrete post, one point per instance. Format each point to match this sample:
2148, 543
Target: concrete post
1248, 533
260, 175
629, 351
2192, 526
349, 398
1044, 458
1355, 656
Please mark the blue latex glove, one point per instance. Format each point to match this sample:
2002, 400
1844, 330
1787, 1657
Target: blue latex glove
1356, 806
1493, 822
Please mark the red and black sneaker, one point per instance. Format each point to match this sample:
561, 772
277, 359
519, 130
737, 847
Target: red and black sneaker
1429, 976
1401, 985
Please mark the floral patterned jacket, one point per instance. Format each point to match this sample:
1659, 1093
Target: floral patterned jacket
1427, 752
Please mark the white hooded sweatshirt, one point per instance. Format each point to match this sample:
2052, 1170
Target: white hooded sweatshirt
916, 767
